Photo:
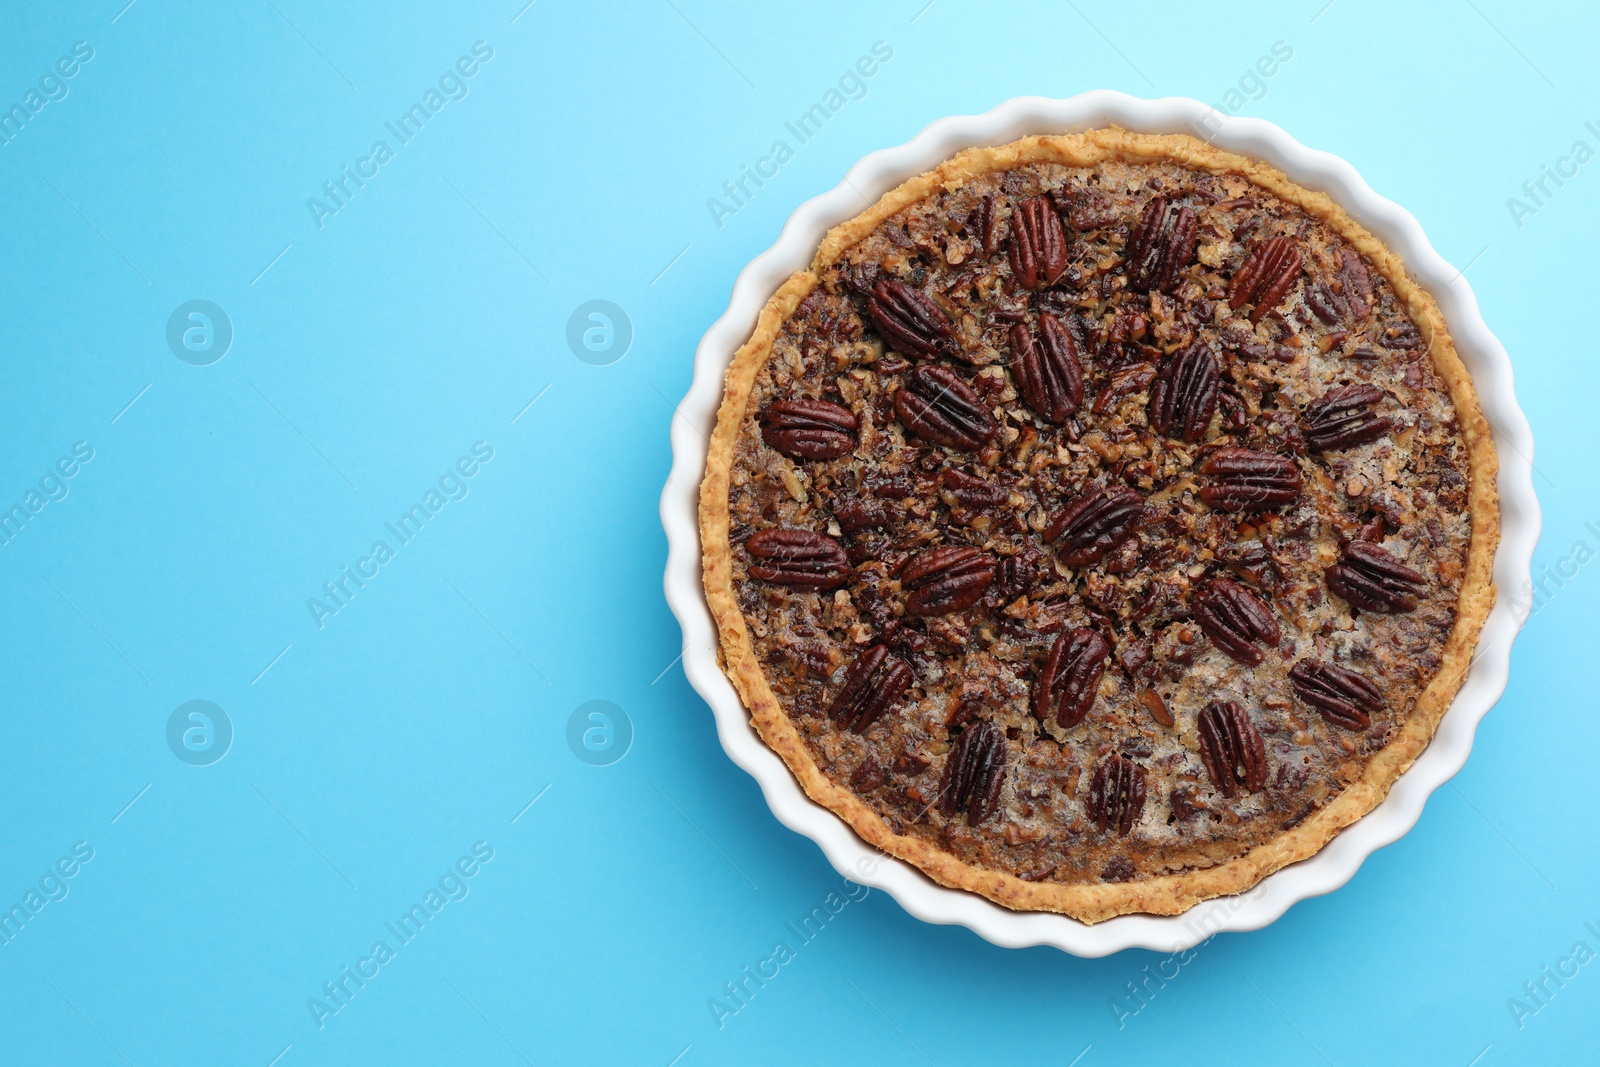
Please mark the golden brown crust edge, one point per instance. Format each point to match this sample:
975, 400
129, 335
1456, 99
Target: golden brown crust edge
1169, 894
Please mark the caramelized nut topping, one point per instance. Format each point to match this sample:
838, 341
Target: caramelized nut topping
1156, 706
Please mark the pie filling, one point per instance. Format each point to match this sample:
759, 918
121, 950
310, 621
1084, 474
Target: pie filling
1098, 523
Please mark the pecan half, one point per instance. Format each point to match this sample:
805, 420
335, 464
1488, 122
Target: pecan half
946, 579
1231, 748
1184, 397
1266, 276
1235, 619
1066, 687
975, 773
1038, 247
1095, 524
1342, 696
1161, 245
801, 558
875, 682
939, 407
970, 491
1047, 373
809, 429
980, 224
1326, 304
1116, 795
908, 319
1373, 580
1243, 479
1343, 418
1357, 284
1085, 210
855, 513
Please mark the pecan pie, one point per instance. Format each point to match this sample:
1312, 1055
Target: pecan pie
1101, 523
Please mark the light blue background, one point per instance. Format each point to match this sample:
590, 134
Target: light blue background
425, 716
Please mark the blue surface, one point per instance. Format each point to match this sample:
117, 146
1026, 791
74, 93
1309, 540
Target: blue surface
391, 748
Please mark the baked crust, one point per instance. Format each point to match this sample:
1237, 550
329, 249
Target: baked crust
1165, 894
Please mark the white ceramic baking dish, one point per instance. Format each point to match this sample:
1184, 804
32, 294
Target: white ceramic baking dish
881, 171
